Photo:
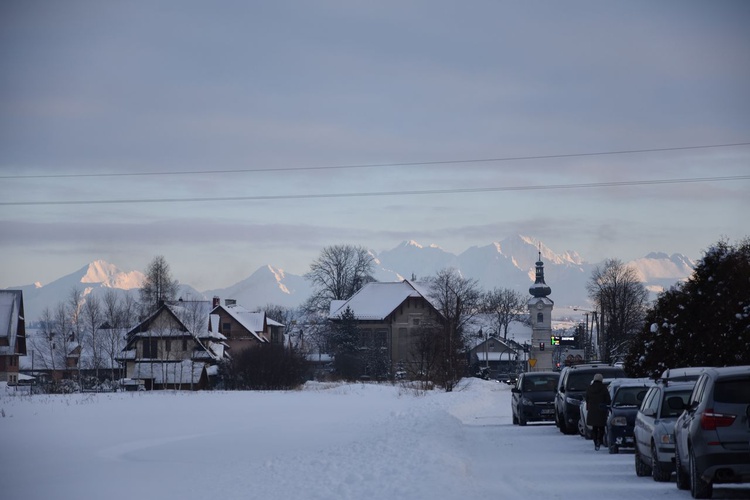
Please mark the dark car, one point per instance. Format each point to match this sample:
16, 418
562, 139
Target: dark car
627, 396
712, 436
534, 397
574, 380
654, 428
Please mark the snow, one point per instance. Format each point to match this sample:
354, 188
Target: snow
327, 441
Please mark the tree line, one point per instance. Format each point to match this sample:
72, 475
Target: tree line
703, 321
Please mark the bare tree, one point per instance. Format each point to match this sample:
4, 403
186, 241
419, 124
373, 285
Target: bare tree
621, 298
91, 316
44, 343
458, 300
64, 333
158, 287
506, 306
113, 333
337, 274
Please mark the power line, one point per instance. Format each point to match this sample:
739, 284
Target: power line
380, 193
371, 165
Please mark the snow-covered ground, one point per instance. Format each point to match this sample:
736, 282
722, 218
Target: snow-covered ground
350, 441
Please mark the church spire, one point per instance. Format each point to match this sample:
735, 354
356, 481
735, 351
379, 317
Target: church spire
540, 288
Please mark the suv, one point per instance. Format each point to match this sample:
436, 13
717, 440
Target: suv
574, 380
534, 397
712, 436
654, 428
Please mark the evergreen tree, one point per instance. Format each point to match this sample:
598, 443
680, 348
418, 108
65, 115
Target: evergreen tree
703, 322
344, 344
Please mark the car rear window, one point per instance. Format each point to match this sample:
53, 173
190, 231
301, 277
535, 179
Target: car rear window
630, 396
579, 381
666, 411
735, 391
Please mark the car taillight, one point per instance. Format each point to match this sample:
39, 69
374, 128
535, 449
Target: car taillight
710, 420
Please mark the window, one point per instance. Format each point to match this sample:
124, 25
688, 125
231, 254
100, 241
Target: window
150, 348
415, 321
226, 329
540, 318
184, 344
168, 345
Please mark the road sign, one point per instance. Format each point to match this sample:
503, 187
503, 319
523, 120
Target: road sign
532, 362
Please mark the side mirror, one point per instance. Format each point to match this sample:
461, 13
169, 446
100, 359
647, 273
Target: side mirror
515, 390
649, 412
562, 389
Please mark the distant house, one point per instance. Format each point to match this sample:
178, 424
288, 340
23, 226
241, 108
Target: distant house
12, 334
392, 316
174, 349
242, 328
498, 355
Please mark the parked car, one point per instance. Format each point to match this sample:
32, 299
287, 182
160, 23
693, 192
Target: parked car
571, 388
627, 396
534, 397
712, 435
685, 374
654, 428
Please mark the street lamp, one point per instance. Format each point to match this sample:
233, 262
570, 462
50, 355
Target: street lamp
589, 333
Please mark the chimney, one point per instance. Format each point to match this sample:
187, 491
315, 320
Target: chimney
216, 302
230, 302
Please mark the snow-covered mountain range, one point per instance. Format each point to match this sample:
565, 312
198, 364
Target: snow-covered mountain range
509, 263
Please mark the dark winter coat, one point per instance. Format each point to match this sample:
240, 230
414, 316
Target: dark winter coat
597, 402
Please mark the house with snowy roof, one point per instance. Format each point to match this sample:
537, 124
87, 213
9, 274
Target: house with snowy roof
12, 334
497, 355
174, 348
243, 328
391, 315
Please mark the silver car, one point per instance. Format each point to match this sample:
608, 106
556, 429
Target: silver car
654, 428
712, 436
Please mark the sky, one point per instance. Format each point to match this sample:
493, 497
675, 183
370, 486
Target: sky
324, 442
227, 136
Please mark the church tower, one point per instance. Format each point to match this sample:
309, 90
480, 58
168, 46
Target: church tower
540, 314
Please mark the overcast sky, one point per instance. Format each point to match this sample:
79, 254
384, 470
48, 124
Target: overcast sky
262, 102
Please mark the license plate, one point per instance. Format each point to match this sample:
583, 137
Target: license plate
548, 412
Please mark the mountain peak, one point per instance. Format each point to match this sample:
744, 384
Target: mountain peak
108, 275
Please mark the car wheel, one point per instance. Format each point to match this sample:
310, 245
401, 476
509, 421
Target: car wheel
682, 479
698, 487
521, 420
641, 469
611, 446
657, 471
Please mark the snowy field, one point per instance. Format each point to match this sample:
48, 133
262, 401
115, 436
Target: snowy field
350, 441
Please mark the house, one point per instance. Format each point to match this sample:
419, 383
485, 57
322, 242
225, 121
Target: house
12, 334
496, 355
174, 348
242, 328
391, 316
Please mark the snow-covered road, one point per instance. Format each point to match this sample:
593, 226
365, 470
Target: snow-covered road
349, 441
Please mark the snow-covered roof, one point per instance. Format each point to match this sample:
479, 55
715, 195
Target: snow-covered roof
375, 301
185, 372
252, 321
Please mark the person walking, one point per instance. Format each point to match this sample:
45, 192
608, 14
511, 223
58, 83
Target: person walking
597, 406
